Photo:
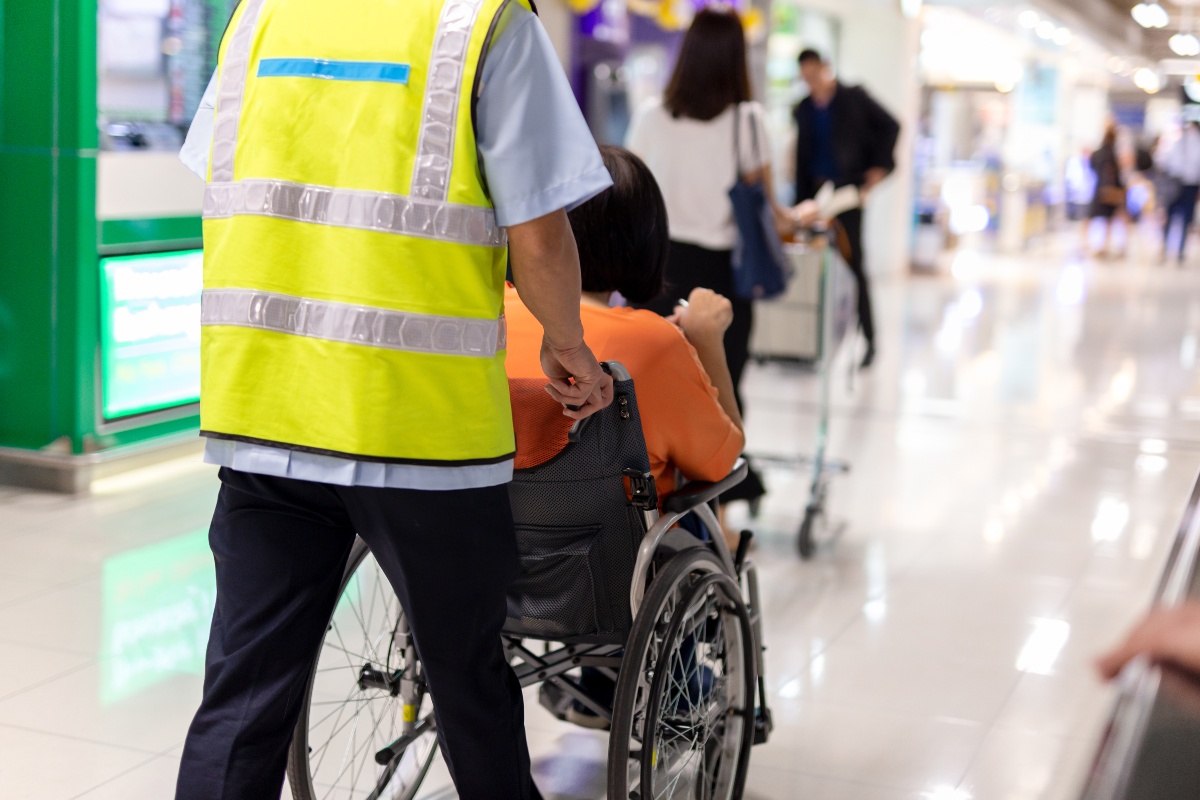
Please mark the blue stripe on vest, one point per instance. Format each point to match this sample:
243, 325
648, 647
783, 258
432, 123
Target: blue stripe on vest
377, 71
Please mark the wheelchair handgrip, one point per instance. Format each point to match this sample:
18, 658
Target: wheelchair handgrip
697, 493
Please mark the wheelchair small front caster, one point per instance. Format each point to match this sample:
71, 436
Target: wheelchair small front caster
807, 538
763, 725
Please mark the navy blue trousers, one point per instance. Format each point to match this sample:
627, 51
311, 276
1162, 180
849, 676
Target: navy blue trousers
281, 546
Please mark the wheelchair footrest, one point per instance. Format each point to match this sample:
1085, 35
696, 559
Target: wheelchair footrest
763, 725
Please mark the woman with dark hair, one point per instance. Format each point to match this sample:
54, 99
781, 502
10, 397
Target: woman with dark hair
1108, 202
697, 139
684, 390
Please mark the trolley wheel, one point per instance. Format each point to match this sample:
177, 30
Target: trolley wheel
351, 710
683, 715
807, 539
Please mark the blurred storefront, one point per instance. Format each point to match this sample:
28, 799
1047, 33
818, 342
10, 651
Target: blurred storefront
1014, 100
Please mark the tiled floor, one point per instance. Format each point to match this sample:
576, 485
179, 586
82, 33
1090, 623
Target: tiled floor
1021, 453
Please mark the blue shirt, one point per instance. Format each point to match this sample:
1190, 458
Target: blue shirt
824, 162
538, 156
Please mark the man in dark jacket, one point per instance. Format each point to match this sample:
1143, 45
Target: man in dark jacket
847, 138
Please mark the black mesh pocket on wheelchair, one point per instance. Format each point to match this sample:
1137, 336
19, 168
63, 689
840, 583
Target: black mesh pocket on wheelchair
578, 533
555, 595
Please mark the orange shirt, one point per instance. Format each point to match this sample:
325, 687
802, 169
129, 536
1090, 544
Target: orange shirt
683, 423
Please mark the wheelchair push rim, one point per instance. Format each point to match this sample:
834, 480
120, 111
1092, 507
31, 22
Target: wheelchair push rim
353, 709
684, 712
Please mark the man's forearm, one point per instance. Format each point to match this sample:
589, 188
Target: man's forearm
545, 265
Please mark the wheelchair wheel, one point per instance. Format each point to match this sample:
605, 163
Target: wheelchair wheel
683, 716
807, 539
366, 681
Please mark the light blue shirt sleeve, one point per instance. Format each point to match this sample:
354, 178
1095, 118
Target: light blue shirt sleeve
538, 154
198, 144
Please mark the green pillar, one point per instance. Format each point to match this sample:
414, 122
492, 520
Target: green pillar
47, 218
51, 241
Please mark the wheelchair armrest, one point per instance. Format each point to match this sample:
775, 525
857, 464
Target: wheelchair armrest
699, 492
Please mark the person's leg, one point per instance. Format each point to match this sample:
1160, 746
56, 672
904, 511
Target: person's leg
737, 345
451, 557
1171, 212
280, 548
1187, 211
851, 222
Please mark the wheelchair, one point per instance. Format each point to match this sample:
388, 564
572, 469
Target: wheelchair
653, 602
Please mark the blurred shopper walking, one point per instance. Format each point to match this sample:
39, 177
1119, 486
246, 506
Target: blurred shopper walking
845, 137
1181, 185
689, 141
1108, 201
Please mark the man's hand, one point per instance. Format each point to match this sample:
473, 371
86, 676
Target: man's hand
1169, 635
873, 178
706, 316
576, 379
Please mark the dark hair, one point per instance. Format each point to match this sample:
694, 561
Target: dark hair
809, 54
710, 74
622, 232
1110, 136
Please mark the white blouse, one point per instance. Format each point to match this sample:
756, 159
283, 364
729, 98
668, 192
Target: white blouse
693, 162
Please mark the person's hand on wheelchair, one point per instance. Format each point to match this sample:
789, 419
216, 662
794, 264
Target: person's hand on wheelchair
576, 379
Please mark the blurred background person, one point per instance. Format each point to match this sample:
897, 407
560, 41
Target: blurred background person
1108, 201
845, 137
688, 139
1180, 169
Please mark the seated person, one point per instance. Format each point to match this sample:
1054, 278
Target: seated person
685, 398
684, 391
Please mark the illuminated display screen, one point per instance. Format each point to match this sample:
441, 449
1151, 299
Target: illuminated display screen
150, 337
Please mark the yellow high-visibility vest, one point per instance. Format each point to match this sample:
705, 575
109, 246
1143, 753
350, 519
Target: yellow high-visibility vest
353, 267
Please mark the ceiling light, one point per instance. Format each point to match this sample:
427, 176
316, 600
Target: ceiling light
1046, 29
1062, 37
1151, 15
1147, 79
1185, 44
1029, 19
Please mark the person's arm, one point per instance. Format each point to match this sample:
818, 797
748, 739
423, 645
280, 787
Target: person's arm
704, 321
198, 143
1170, 635
760, 148
545, 265
801, 177
884, 131
541, 161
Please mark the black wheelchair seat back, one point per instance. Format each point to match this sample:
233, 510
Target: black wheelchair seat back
578, 528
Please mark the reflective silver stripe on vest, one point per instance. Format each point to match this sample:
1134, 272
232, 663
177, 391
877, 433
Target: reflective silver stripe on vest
231, 87
443, 89
343, 322
351, 208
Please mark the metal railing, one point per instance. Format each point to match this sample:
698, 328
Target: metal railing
1151, 748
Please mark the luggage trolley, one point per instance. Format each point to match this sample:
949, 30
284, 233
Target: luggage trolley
807, 327
618, 610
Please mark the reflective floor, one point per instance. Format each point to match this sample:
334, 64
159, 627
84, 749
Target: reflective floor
1020, 455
